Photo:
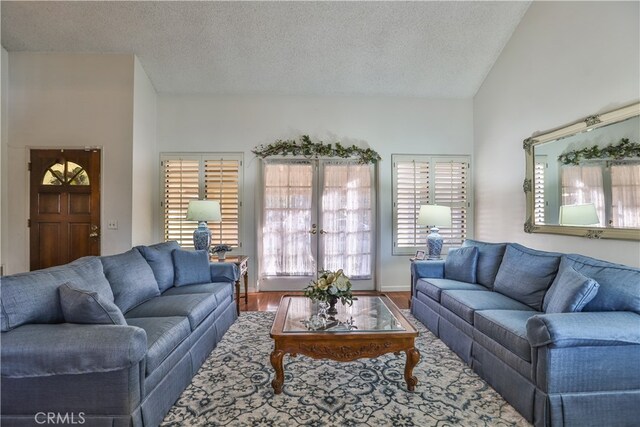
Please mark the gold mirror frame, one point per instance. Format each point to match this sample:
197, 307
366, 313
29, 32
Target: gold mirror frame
591, 122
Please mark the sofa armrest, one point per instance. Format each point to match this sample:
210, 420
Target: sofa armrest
584, 329
65, 348
224, 272
430, 269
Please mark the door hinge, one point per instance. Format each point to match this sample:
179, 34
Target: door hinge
29, 223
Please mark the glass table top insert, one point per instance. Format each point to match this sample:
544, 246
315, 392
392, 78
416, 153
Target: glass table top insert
367, 314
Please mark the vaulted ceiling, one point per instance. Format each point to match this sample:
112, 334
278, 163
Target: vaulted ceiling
422, 49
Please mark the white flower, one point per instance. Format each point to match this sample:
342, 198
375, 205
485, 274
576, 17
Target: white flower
333, 290
342, 283
322, 284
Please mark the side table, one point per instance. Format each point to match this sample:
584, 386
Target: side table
242, 262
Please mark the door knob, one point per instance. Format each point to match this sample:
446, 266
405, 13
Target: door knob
94, 232
323, 232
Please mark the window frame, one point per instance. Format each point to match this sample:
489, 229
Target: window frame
202, 157
431, 160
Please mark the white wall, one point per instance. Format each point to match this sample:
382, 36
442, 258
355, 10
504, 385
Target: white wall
565, 61
70, 101
4, 187
388, 125
145, 159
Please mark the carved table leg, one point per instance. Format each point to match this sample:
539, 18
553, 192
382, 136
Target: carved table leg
413, 356
276, 362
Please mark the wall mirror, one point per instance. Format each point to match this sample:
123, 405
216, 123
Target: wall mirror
584, 179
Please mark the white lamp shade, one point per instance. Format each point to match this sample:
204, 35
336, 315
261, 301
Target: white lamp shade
435, 216
204, 210
581, 214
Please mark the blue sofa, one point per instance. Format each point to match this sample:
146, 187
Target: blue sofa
165, 310
557, 335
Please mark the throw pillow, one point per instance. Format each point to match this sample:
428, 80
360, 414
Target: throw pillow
489, 259
570, 291
87, 307
131, 279
161, 262
461, 264
191, 267
526, 274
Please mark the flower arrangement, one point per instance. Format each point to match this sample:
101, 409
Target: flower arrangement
330, 285
624, 149
221, 248
305, 147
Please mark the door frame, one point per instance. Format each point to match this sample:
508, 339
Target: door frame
27, 192
317, 187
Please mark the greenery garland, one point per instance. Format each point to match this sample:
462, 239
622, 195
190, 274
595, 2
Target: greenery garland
305, 147
622, 150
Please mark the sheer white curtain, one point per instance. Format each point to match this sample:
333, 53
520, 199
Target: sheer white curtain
287, 210
625, 195
584, 184
347, 219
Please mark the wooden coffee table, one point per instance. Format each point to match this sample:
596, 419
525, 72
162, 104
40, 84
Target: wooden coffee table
380, 328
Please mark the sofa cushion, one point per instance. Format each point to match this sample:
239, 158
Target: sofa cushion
434, 287
461, 264
131, 279
196, 307
221, 290
33, 297
88, 307
506, 327
191, 267
464, 303
526, 274
164, 334
160, 260
489, 259
570, 291
619, 284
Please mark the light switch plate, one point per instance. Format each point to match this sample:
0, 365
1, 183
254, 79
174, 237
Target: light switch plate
112, 225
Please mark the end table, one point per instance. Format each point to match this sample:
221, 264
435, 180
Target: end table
242, 262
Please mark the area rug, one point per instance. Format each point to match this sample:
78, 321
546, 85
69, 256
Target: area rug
233, 388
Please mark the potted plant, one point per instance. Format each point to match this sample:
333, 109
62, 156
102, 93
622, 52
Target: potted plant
221, 251
329, 287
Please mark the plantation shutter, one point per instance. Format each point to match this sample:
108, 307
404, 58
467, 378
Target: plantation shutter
202, 176
181, 184
222, 183
451, 189
411, 179
419, 180
538, 190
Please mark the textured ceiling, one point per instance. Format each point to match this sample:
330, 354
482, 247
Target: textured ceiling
426, 49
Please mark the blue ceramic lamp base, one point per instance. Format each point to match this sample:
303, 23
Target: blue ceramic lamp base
434, 244
202, 237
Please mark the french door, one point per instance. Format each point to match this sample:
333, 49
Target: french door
316, 215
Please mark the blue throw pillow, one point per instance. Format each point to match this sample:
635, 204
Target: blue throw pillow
87, 307
191, 267
161, 262
131, 279
570, 291
489, 259
526, 274
461, 264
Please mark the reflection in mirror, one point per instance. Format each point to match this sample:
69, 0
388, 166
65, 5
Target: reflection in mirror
584, 179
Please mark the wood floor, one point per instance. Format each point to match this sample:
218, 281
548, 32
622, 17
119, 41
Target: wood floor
268, 301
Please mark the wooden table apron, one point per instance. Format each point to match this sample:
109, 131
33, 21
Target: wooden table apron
343, 347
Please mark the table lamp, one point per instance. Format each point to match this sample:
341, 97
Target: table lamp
579, 214
203, 211
434, 216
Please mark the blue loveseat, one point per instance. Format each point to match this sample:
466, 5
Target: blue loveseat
557, 335
165, 310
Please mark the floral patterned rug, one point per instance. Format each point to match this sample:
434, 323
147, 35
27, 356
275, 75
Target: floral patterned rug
233, 388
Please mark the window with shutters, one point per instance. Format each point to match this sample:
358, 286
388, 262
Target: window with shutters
420, 179
202, 176
539, 202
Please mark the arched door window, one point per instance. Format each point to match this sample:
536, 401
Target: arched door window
65, 173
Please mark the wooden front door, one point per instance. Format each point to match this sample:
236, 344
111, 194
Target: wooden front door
64, 206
